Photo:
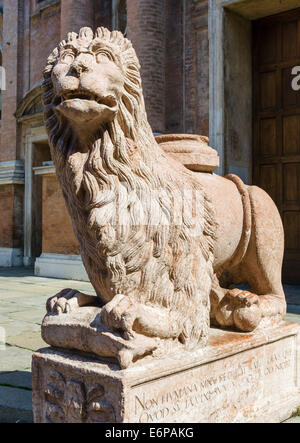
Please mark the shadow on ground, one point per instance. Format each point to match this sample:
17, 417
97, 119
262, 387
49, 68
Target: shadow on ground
15, 397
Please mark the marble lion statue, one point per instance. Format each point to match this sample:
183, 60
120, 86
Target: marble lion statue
164, 247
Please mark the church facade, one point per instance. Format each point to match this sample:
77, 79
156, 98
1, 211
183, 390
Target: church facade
221, 68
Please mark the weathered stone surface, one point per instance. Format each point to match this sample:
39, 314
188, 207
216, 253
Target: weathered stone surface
162, 245
236, 378
190, 150
27, 340
15, 359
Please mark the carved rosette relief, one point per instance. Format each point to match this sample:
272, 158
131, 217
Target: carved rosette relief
70, 401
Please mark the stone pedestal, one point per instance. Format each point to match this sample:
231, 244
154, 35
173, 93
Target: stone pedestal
236, 378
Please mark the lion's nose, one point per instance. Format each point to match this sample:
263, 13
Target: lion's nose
78, 68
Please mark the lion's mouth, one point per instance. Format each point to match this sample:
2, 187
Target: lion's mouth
108, 101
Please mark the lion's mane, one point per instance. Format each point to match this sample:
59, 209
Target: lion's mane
160, 263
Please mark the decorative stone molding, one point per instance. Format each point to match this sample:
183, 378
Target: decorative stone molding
31, 104
11, 257
12, 173
69, 401
33, 135
69, 267
44, 170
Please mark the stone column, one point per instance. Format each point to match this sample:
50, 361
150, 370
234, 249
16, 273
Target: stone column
146, 23
28, 211
174, 66
196, 67
76, 14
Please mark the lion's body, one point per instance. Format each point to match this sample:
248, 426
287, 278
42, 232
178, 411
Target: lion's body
145, 254
148, 228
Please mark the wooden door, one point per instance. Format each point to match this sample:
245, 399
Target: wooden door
276, 150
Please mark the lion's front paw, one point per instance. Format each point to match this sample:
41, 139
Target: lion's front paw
120, 313
239, 309
68, 300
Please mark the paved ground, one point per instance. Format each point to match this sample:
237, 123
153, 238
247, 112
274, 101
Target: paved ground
22, 307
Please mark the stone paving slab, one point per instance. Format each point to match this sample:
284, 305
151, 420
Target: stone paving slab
13, 328
11, 308
27, 340
31, 315
14, 358
4, 319
293, 317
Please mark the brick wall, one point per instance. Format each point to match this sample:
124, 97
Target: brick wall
6, 219
76, 14
11, 220
8, 149
44, 36
146, 29
196, 72
171, 41
58, 234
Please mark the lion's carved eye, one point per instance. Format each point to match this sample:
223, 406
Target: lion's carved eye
67, 57
103, 57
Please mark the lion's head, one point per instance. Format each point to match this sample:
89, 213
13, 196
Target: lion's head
91, 80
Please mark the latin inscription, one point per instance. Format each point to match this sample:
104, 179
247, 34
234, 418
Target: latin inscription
232, 384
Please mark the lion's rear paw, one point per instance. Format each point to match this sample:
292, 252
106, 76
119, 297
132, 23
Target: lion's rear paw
239, 309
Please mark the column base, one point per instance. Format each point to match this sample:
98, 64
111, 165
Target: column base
11, 257
69, 267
